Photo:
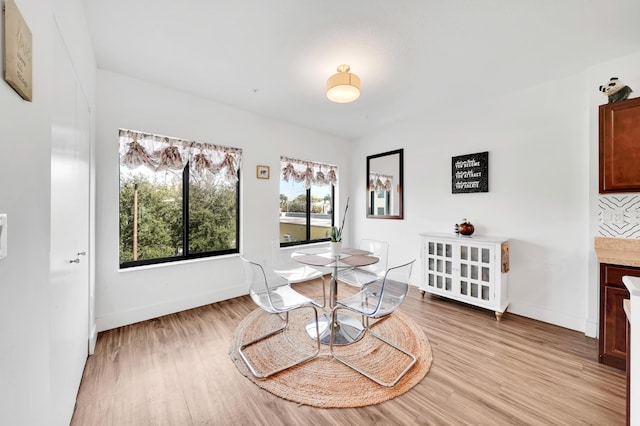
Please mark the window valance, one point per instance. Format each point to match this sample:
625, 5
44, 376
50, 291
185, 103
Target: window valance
309, 172
165, 153
380, 182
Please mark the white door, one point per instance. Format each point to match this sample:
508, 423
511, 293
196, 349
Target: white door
69, 292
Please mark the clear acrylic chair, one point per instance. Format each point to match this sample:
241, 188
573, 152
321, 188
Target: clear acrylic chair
378, 300
278, 298
293, 271
363, 275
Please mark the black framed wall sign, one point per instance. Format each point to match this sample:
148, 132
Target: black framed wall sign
470, 173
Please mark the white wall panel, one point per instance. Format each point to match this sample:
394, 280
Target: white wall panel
135, 294
537, 141
25, 149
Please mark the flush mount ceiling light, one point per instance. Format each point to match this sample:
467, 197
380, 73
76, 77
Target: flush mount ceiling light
343, 87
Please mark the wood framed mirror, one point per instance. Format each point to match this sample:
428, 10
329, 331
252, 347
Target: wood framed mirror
384, 185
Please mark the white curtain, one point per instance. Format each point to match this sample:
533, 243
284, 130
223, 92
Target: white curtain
309, 172
164, 153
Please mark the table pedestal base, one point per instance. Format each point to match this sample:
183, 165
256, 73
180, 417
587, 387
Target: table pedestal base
347, 329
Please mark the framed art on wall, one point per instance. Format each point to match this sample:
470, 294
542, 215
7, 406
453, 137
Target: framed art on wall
17, 53
262, 172
470, 173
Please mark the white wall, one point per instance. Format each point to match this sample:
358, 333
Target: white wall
135, 294
25, 135
540, 142
538, 190
24, 273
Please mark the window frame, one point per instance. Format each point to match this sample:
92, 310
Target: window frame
185, 231
308, 219
186, 183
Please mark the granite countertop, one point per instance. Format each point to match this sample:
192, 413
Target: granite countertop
618, 251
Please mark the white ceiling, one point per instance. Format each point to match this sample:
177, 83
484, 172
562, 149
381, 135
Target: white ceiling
272, 57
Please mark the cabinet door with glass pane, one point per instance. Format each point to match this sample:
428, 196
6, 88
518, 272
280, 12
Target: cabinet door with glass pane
468, 269
476, 272
439, 265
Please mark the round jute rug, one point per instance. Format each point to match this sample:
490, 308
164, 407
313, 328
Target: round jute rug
324, 381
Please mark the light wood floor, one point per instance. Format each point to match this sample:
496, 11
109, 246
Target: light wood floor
176, 370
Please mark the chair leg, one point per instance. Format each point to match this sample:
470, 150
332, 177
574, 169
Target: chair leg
365, 373
400, 349
262, 375
324, 294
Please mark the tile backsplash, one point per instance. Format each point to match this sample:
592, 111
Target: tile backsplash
619, 215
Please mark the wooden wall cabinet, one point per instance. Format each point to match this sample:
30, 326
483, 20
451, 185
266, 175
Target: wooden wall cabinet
620, 146
467, 269
612, 339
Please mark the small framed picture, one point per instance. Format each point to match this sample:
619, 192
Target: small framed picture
262, 172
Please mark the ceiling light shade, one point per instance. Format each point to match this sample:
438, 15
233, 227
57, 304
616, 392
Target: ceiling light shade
343, 87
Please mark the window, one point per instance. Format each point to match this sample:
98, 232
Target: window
307, 191
178, 199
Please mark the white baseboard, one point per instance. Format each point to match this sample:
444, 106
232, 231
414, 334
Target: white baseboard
545, 315
93, 338
591, 328
143, 313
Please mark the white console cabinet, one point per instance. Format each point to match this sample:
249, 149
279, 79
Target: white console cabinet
468, 269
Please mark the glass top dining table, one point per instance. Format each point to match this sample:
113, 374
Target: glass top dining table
347, 328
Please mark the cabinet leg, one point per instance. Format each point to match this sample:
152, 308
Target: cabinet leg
498, 316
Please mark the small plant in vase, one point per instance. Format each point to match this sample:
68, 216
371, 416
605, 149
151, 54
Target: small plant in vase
336, 240
336, 234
